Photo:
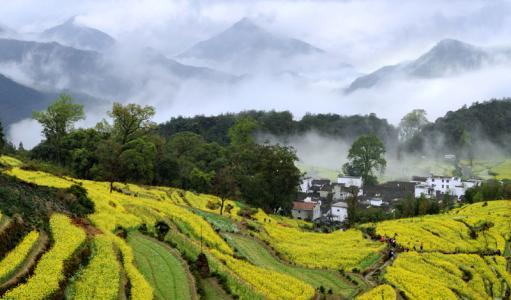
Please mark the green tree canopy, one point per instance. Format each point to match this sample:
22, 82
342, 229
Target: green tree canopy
58, 120
412, 123
130, 121
225, 185
242, 131
267, 175
366, 155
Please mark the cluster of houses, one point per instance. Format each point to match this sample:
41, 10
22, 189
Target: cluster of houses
321, 199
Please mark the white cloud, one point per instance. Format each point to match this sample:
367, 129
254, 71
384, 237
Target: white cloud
27, 131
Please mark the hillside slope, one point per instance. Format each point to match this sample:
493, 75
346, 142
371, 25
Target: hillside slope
459, 258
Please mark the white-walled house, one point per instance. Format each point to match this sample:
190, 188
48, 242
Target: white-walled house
339, 211
341, 192
431, 185
306, 184
375, 202
423, 189
350, 181
309, 211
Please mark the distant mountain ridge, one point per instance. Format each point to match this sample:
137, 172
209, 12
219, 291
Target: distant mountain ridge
17, 101
447, 57
247, 43
55, 66
79, 36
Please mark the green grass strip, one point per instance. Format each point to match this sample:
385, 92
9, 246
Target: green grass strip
165, 272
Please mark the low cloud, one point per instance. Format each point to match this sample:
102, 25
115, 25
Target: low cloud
27, 131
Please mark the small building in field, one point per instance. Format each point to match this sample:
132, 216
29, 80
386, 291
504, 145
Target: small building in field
339, 211
309, 211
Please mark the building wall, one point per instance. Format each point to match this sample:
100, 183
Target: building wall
339, 213
316, 213
349, 181
324, 194
302, 214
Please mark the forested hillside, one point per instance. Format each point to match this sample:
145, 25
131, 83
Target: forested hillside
485, 121
481, 122
215, 128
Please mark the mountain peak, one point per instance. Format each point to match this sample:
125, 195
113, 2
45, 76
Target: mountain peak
76, 35
245, 45
451, 45
246, 24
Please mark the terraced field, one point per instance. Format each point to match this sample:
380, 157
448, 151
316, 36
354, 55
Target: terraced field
259, 255
465, 253
167, 274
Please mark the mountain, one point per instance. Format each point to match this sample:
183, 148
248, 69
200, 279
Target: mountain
17, 101
53, 66
6, 31
246, 44
72, 34
104, 75
448, 57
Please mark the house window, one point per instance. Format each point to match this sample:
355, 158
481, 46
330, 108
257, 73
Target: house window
442, 186
442, 180
338, 210
447, 180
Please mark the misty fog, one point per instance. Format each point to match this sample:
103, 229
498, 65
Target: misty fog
301, 84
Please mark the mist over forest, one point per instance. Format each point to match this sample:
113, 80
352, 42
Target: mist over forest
331, 83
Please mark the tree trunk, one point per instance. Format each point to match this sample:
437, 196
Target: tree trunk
222, 205
111, 186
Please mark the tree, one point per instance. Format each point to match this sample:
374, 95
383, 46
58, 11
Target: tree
412, 123
408, 206
267, 175
467, 144
108, 167
58, 120
225, 185
242, 131
196, 160
423, 205
352, 202
366, 155
136, 161
130, 121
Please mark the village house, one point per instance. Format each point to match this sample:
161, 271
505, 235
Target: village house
436, 186
325, 191
339, 211
306, 210
350, 181
306, 184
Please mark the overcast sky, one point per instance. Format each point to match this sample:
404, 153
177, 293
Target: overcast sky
367, 34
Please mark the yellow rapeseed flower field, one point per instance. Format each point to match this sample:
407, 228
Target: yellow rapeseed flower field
48, 273
101, 277
16, 256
